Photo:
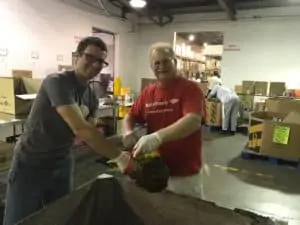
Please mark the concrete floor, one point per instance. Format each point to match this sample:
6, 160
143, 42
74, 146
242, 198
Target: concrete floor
258, 186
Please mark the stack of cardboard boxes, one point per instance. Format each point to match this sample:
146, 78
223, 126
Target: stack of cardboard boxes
16, 96
251, 93
275, 132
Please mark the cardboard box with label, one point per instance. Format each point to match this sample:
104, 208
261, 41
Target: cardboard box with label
213, 113
282, 105
261, 88
248, 87
275, 134
17, 94
277, 89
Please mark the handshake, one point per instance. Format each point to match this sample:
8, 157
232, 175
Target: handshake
143, 164
141, 142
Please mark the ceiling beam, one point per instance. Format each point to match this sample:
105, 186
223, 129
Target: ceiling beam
229, 8
266, 4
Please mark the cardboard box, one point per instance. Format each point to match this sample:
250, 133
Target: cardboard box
261, 88
275, 135
238, 89
17, 94
6, 155
277, 89
282, 105
255, 130
246, 101
248, 87
22, 73
213, 113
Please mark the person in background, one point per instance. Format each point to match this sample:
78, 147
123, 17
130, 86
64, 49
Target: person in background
217, 74
230, 107
172, 108
212, 81
42, 167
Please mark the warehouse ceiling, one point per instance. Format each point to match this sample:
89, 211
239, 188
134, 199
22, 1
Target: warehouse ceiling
162, 12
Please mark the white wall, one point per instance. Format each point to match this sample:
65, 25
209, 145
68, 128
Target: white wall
269, 46
49, 27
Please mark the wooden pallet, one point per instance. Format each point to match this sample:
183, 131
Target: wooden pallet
248, 154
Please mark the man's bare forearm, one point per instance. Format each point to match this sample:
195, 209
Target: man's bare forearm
128, 124
181, 128
98, 143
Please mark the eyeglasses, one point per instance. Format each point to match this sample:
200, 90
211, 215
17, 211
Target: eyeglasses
94, 59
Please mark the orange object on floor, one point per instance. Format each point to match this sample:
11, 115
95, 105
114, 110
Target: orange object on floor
297, 93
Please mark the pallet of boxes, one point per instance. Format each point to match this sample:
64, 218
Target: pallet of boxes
274, 133
253, 96
17, 93
250, 94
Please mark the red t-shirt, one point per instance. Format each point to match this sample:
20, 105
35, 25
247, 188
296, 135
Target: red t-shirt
159, 108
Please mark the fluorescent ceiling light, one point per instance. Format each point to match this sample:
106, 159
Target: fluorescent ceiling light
138, 3
192, 37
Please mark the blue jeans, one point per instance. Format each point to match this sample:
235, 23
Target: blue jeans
31, 188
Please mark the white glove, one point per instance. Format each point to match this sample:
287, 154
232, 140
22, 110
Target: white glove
147, 143
129, 140
123, 161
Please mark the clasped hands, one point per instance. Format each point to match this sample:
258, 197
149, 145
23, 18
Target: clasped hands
146, 143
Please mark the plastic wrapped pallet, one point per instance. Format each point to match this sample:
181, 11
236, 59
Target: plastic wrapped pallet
112, 201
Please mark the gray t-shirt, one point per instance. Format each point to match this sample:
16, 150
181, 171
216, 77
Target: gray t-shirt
47, 138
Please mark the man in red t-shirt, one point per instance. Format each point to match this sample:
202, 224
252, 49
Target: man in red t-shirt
173, 109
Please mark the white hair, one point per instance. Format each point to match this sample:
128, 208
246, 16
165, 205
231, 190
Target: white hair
162, 46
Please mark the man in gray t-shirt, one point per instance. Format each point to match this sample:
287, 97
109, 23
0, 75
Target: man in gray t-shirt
40, 145
42, 167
